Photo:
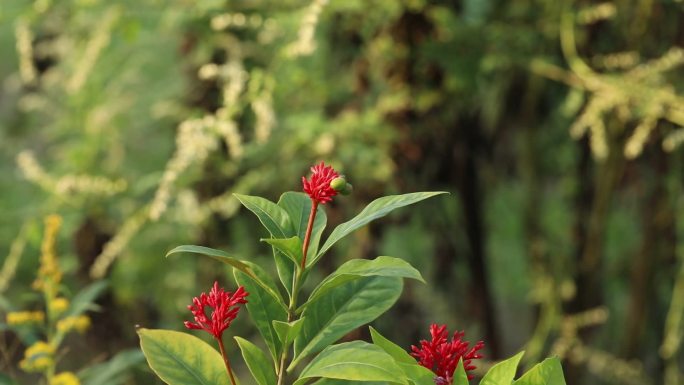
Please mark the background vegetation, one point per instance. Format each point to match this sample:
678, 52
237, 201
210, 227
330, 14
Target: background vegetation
555, 125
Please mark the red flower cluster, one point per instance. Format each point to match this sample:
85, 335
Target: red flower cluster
318, 187
225, 309
442, 356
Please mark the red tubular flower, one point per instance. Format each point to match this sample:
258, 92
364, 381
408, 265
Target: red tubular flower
225, 307
442, 356
318, 187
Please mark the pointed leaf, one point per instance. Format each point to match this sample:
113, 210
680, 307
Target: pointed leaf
290, 247
298, 207
394, 350
460, 375
257, 362
355, 361
263, 307
376, 209
112, 371
277, 222
417, 374
218, 255
288, 331
549, 372
335, 381
274, 218
503, 372
343, 309
85, 299
357, 268
182, 359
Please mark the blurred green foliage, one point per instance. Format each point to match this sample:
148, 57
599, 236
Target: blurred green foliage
555, 125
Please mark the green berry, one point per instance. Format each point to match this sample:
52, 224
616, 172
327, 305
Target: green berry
338, 184
348, 188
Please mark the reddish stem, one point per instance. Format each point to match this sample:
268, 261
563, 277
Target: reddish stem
309, 228
226, 361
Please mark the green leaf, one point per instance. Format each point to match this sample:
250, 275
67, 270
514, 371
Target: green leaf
335, 381
290, 247
298, 207
277, 222
376, 209
288, 331
343, 309
394, 350
112, 372
460, 375
274, 218
85, 299
263, 307
181, 359
418, 375
357, 268
257, 362
549, 372
218, 255
355, 361
503, 372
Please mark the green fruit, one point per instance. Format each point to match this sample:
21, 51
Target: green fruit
338, 184
348, 188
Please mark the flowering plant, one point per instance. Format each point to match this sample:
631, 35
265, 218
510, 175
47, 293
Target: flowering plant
300, 336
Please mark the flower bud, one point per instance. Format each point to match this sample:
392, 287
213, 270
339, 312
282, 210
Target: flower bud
348, 188
338, 184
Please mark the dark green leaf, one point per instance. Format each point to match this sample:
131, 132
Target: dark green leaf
263, 307
298, 207
257, 362
355, 361
357, 268
376, 209
182, 359
287, 331
343, 309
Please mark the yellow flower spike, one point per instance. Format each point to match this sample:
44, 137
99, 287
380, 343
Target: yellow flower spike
82, 324
38, 357
65, 378
49, 271
59, 305
19, 318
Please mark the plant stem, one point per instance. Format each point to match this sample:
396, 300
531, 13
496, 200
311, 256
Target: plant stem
226, 361
309, 227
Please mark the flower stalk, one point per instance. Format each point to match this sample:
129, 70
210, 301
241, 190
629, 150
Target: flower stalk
226, 360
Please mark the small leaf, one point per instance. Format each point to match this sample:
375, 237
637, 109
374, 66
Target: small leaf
342, 310
112, 372
263, 308
290, 247
418, 375
376, 209
85, 299
503, 372
548, 372
257, 362
394, 350
298, 207
288, 331
357, 268
218, 255
355, 361
181, 359
460, 375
